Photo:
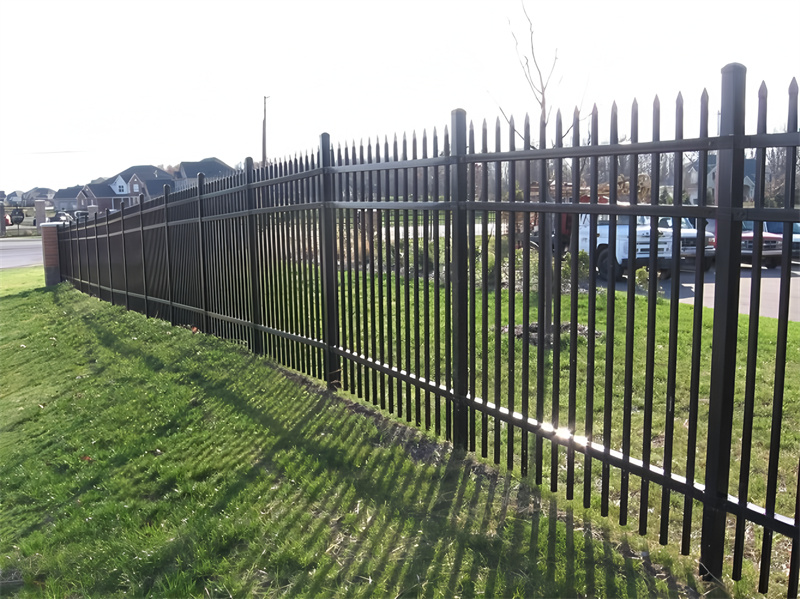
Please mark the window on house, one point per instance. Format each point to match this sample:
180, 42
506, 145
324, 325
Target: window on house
136, 188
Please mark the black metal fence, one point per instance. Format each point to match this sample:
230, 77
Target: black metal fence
405, 273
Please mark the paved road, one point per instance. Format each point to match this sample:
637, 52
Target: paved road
770, 290
20, 251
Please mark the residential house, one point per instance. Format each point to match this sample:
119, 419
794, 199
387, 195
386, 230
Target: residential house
691, 179
151, 188
14, 198
212, 168
66, 199
38, 193
125, 187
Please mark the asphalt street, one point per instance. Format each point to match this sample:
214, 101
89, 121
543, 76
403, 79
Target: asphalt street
20, 251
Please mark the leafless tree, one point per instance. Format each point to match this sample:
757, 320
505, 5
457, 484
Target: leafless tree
537, 81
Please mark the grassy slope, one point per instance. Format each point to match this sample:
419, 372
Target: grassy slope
138, 458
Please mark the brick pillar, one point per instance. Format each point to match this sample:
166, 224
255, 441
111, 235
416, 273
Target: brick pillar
52, 265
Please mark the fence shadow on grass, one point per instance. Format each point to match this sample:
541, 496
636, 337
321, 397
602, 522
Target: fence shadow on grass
392, 511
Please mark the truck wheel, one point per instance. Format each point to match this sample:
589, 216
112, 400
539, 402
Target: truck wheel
603, 259
708, 263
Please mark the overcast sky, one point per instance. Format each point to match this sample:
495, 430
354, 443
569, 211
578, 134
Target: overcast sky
89, 88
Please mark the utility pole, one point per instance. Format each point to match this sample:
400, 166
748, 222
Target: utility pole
264, 135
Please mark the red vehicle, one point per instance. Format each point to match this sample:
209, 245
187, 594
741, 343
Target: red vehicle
771, 248
771, 244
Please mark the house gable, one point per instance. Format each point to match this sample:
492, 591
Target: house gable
119, 186
136, 186
145, 172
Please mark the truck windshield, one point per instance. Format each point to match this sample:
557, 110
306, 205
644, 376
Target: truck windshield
665, 222
775, 227
624, 219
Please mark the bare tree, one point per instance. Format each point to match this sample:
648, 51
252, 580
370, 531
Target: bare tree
537, 81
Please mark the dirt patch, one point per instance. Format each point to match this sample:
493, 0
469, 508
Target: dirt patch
565, 328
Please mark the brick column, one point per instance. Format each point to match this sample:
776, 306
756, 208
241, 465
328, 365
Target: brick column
52, 265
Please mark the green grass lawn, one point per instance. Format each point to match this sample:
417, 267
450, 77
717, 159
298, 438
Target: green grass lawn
493, 345
408, 320
138, 459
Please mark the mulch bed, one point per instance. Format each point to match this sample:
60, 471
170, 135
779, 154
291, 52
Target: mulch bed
533, 331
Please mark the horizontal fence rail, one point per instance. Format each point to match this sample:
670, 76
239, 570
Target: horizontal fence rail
476, 290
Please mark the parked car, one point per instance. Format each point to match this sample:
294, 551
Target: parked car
777, 228
8, 219
79, 214
689, 242
771, 245
61, 217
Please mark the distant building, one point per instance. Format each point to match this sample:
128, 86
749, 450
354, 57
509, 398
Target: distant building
151, 188
14, 198
38, 193
124, 187
691, 179
66, 199
212, 168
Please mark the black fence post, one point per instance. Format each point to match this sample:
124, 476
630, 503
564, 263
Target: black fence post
76, 272
730, 191
144, 262
71, 251
256, 305
201, 251
168, 254
96, 261
458, 188
124, 255
330, 310
108, 257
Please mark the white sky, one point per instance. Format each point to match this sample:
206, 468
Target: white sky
89, 88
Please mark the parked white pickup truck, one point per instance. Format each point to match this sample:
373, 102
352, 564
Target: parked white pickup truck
619, 254
689, 235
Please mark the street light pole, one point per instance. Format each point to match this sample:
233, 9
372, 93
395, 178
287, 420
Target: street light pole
264, 135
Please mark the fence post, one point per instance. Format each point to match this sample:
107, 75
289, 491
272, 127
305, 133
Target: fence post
144, 262
168, 253
96, 262
458, 187
201, 251
255, 264
50, 253
124, 255
330, 311
730, 190
108, 258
